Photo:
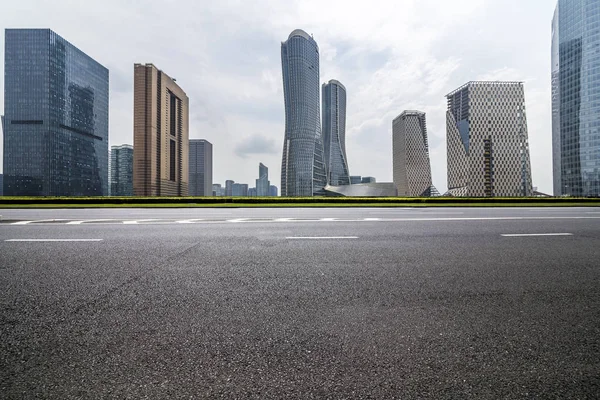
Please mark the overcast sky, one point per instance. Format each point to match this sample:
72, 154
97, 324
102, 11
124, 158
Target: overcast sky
391, 56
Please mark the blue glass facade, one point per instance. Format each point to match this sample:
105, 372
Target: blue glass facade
302, 167
576, 97
121, 171
334, 133
56, 117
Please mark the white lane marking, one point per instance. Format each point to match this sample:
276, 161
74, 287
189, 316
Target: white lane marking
85, 221
238, 220
54, 240
372, 219
320, 237
535, 234
328, 219
138, 221
189, 221
36, 221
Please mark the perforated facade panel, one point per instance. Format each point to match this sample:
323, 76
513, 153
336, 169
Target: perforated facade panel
487, 140
412, 168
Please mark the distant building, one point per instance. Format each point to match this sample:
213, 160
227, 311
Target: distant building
355, 179
252, 192
383, 189
487, 140
302, 167
239, 190
410, 150
121, 170
229, 188
334, 133
160, 134
216, 189
368, 179
55, 117
1, 184
273, 192
200, 168
262, 183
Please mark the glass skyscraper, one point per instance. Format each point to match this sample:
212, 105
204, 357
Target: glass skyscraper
576, 98
200, 168
56, 117
302, 166
121, 171
262, 183
334, 133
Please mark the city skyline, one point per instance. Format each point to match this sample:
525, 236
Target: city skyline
257, 111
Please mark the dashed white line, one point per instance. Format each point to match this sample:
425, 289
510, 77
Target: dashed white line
36, 221
54, 240
189, 221
138, 221
88, 221
320, 237
535, 234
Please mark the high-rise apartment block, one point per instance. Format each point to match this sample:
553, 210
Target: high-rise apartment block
160, 134
576, 98
487, 140
262, 183
121, 171
302, 167
200, 168
55, 117
334, 133
410, 148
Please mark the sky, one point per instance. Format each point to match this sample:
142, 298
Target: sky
390, 55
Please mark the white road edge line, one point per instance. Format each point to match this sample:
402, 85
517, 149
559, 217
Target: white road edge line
535, 234
85, 221
320, 237
54, 240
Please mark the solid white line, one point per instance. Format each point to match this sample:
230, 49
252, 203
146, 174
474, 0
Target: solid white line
535, 234
189, 221
54, 240
320, 237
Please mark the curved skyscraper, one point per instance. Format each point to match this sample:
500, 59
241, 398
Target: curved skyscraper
334, 133
302, 166
576, 98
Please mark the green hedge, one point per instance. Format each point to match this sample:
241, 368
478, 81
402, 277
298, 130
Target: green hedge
292, 200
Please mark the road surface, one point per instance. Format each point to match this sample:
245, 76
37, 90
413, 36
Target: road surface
300, 303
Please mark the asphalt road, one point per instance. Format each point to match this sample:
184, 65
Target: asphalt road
300, 303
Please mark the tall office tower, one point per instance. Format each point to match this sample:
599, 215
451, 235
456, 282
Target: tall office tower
302, 167
273, 191
334, 133
200, 168
229, 188
121, 170
55, 117
576, 98
160, 134
488, 150
1, 184
410, 149
262, 183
